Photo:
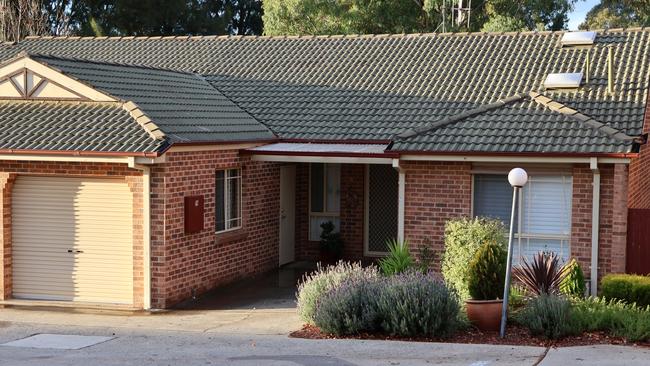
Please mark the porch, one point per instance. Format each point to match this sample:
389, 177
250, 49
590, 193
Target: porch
355, 186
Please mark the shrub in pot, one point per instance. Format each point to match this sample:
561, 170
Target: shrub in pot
331, 244
486, 277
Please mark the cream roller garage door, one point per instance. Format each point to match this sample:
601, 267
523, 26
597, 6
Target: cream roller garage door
72, 239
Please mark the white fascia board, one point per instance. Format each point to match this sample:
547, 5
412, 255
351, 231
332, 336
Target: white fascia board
513, 159
321, 159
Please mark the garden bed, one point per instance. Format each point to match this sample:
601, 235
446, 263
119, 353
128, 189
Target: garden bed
516, 336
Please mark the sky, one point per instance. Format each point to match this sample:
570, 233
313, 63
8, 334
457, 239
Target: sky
580, 11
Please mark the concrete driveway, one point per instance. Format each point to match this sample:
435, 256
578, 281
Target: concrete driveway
263, 305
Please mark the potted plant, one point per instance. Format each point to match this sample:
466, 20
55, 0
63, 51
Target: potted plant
331, 244
486, 277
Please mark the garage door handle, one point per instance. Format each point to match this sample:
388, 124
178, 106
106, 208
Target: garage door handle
75, 251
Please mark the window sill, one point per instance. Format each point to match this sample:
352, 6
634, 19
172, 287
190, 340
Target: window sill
228, 237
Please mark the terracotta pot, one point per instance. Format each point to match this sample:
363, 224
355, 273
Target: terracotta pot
485, 314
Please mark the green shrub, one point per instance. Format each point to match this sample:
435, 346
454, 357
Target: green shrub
463, 238
399, 258
487, 272
631, 289
348, 308
416, 304
613, 316
548, 316
426, 256
313, 286
574, 282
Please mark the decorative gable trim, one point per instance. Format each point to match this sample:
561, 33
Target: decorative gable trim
145, 122
25, 78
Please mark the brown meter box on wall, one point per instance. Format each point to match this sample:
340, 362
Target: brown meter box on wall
193, 214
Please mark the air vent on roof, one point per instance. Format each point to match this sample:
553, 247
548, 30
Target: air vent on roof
570, 39
563, 81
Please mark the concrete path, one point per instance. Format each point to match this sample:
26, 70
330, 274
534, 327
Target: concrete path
597, 356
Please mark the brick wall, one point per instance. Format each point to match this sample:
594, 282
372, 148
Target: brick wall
351, 214
189, 264
10, 169
435, 193
639, 179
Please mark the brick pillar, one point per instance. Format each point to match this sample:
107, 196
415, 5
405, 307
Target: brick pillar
352, 209
619, 218
6, 183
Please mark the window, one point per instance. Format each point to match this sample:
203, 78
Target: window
228, 200
545, 206
324, 197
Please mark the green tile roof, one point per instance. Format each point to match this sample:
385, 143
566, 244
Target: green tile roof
183, 105
72, 126
376, 87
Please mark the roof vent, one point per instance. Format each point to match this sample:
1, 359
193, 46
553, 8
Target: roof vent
572, 39
563, 81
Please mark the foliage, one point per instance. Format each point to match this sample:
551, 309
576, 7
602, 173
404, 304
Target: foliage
631, 289
463, 238
398, 259
331, 241
20, 18
618, 14
348, 308
543, 275
426, 256
548, 316
503, 23
295, 17
315, 285
613, 316
416, 304
573, 283
487, 272
154, 17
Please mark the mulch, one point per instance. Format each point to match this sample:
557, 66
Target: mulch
515, 335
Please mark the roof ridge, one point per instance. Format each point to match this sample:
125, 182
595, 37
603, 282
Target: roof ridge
82, 60
144, 121
583, 118
320, 36
460, 116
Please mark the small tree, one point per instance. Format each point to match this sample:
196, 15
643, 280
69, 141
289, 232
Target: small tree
21, 18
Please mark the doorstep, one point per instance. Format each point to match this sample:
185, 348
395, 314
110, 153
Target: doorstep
89, 307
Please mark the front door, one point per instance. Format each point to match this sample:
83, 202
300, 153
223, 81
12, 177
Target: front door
287, 213
381, 205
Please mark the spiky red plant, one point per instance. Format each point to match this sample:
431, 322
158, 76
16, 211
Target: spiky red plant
542, 275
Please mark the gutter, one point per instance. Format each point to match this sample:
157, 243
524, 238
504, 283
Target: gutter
79, 153
595, 218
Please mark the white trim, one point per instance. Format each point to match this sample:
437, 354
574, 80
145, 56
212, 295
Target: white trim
401, 203
150, 161
226, 202
512, 159
595, 216
321, 159
55, 76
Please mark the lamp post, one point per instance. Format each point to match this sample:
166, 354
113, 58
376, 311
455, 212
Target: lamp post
517, 179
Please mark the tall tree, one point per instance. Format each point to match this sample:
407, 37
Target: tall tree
20, 18
294, 17
617, 14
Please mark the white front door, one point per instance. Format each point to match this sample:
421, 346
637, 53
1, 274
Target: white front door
287, 213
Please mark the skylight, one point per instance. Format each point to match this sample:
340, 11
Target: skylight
578, 38
563, 81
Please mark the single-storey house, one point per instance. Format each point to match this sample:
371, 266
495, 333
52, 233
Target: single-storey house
144, 170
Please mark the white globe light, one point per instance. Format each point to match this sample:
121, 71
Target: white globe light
517, 177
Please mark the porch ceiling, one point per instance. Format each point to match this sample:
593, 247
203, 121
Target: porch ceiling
320, 152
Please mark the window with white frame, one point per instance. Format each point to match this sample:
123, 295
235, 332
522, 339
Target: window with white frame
228, 200
545, 206
324, 197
